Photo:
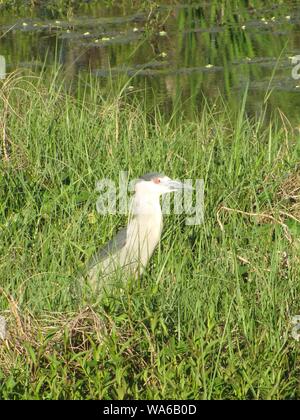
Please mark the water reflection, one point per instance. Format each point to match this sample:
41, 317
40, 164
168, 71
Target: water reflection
194, 51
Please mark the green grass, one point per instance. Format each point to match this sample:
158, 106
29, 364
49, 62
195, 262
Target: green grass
211, 316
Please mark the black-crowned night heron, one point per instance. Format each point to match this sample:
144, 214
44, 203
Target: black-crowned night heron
132, 247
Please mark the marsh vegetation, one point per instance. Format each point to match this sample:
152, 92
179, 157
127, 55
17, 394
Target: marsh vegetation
211, 317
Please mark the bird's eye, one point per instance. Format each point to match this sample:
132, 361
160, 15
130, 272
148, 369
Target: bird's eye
156, 181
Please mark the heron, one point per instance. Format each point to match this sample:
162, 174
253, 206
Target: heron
132, 247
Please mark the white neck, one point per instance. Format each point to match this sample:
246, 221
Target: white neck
145, 225
146, 204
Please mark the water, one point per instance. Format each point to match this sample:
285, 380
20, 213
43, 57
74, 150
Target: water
184, 53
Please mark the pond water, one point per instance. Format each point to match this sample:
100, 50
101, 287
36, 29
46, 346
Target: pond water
179, 52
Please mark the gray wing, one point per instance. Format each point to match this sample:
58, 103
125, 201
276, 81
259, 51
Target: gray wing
112, 246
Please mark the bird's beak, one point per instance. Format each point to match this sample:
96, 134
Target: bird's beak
177, 185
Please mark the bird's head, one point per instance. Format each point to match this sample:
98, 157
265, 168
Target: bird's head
158, 184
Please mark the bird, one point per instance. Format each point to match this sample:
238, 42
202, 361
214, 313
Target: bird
132, 247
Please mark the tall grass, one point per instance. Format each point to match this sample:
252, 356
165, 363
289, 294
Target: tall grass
211, 316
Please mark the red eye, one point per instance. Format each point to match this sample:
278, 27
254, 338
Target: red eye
156, 181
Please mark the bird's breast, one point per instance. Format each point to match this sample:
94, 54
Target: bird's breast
143, 236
